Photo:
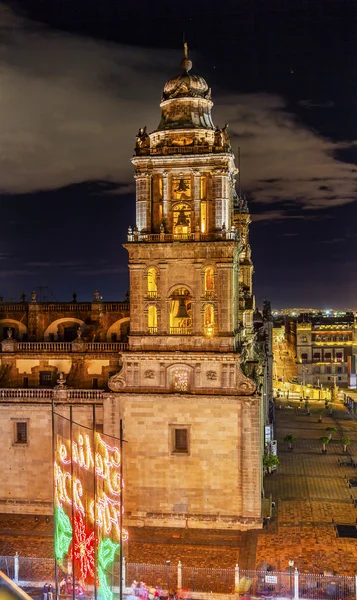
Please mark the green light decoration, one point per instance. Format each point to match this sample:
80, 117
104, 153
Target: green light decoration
63, 535
106, 554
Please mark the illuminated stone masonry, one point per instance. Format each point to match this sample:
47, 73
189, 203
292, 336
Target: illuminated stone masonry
191, 417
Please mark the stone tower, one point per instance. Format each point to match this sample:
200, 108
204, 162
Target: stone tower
182, 372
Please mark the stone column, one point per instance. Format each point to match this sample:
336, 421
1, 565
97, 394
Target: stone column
197, 198
251, 458
165, 197
221, 199
143, 201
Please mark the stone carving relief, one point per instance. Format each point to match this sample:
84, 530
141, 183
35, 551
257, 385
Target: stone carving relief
245, 386
212, 375
149, 374
117, 382
180, 380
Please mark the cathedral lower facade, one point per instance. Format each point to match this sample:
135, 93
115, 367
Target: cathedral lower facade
193, 416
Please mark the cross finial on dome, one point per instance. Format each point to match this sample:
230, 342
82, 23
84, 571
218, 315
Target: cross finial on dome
186, 63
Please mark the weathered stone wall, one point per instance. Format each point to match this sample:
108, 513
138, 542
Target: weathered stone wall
216, 484
26, 468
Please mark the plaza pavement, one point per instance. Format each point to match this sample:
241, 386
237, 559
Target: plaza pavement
311, 493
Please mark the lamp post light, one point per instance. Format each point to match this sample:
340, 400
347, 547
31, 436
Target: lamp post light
291, 564
168, 577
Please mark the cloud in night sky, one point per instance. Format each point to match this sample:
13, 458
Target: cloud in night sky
70, 108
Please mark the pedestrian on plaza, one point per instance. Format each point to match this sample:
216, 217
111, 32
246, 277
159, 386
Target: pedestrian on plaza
143, 592
45, 592
50, 591
134, 588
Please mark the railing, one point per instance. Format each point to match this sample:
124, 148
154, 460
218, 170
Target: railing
67, 346
48, 394
152, 330
65, 306
183, 237
195, 581
44, 346
151, 294
85, 394
180, 330
106, 346
27, 393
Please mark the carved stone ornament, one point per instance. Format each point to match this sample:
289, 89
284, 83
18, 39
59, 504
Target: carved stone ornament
212, 375
149, 374
117, 382
245, 385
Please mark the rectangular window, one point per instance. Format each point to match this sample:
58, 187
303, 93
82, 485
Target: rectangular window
46, 378
339, 370
21, 433
328, 370
95, 383
327, 356
180, 439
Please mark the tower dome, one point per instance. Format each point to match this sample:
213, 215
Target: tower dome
186, 100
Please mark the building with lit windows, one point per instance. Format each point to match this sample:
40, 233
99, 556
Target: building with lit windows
325, 348
193, 421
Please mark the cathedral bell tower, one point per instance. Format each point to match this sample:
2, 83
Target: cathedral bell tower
181, 384
184, 251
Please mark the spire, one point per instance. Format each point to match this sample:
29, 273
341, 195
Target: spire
186, 63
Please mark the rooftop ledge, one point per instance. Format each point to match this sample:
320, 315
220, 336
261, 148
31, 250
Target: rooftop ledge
219, 236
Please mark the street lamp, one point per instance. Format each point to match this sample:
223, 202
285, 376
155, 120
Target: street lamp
291, 564
168, 577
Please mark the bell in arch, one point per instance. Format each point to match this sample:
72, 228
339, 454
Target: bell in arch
182, 310
182, 186
182, 220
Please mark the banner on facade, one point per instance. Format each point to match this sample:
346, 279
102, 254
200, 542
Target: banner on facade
87, 508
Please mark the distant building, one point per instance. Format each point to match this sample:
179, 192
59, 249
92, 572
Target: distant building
325, 348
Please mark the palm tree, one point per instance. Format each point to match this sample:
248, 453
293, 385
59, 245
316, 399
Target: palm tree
345, 441
290, 439
331, 430
324, 440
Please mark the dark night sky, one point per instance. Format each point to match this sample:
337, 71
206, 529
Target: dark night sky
79, 77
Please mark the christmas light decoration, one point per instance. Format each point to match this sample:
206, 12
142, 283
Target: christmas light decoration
106, 552
63, 535
105, 591
88, 488
83, 548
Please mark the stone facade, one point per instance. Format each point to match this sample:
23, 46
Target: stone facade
192, 420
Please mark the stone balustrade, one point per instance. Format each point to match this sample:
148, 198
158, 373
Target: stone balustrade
49, 394
63, 347
65, 306
134, 236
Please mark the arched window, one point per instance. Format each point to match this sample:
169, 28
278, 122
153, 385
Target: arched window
209, 281
181, 219
152, 319
152, 282
209, 320
180, 312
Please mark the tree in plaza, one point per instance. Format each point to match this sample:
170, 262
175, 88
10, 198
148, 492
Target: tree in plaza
345, 441
290, 439
270, 460
324, 440
330, 431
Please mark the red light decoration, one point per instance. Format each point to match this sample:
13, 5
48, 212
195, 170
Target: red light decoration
83, 549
